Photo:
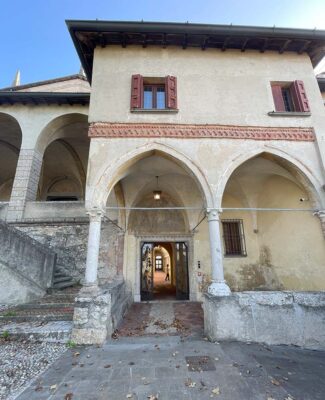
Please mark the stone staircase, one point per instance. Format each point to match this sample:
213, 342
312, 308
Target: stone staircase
61, 279
45, 319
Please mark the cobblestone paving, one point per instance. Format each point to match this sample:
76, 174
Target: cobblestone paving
171, 368
22, 361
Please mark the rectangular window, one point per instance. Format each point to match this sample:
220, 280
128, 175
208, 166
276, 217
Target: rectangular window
290, 97
233, 236
153, 93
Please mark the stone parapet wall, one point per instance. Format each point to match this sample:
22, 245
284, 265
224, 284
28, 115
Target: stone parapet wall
26, 266
296, 318
97, 312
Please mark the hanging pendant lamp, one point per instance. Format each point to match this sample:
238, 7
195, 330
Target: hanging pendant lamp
157, 193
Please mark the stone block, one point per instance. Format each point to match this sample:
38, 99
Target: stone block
268, 317
89, 335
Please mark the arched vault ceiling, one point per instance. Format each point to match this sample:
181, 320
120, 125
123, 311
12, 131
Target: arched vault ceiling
250, 177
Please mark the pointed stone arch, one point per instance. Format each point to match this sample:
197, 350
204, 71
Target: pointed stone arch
110, 174
305, 177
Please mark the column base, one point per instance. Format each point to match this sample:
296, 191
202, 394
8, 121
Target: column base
219, 288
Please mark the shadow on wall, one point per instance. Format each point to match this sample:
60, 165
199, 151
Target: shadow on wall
258, 276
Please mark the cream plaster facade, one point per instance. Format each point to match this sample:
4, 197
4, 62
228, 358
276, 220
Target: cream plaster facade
285, 249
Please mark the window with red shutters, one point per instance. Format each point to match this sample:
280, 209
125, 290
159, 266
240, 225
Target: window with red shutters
290, 97
153, 93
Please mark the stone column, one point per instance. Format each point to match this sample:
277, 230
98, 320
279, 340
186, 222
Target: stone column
218, 287
95, 218
25, 183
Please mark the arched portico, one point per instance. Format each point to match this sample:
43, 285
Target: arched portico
10, 142
38, 169
272, 238
135, 172
305, 176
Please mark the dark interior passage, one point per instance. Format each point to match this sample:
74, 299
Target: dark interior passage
164, 271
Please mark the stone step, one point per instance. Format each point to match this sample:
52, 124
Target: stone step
40, 306
49, 331
34, 318
63, 285
63, 278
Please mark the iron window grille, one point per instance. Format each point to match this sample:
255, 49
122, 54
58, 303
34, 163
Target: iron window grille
234, 238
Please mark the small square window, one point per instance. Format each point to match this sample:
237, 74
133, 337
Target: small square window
233, 236
153, 93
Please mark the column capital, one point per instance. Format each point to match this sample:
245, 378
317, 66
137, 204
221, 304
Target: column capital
320, 213
95, 214
214, 214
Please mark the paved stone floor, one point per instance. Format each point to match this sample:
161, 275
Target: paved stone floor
183, 318
171, 368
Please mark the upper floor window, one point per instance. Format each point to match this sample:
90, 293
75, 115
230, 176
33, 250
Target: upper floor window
290, 97
154, 93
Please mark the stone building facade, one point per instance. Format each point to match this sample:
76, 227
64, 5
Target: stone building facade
201, 146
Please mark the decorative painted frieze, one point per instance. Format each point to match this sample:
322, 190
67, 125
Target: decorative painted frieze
134, 130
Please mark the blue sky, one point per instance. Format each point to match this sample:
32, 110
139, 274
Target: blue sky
34, 37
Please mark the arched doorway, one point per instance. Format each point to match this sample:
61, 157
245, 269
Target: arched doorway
268, 249
10, 142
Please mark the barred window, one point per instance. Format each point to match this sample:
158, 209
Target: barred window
233, 236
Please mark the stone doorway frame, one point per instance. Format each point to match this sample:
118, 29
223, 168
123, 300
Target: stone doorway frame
186, 238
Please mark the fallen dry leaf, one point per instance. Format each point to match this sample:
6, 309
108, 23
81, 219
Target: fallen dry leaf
275, 382
68, 396
76, 354
216, 390
189, 383
53, 387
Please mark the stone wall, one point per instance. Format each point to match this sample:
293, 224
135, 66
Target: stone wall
98, 310
26, 266
69, 241
269, 317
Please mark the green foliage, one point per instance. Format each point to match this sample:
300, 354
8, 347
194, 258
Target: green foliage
10, 314
71, 344
5, 335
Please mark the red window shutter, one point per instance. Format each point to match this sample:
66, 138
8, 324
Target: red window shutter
278, 98
136, 91
299, 97
171, 91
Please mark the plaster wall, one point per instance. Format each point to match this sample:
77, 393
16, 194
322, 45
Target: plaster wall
34, 119
214, 87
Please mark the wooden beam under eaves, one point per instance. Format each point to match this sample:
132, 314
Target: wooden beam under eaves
164, 40
304, 46
185, 41
285, 45
264, 46
225, 43
243, 47
204, 43
144, 40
